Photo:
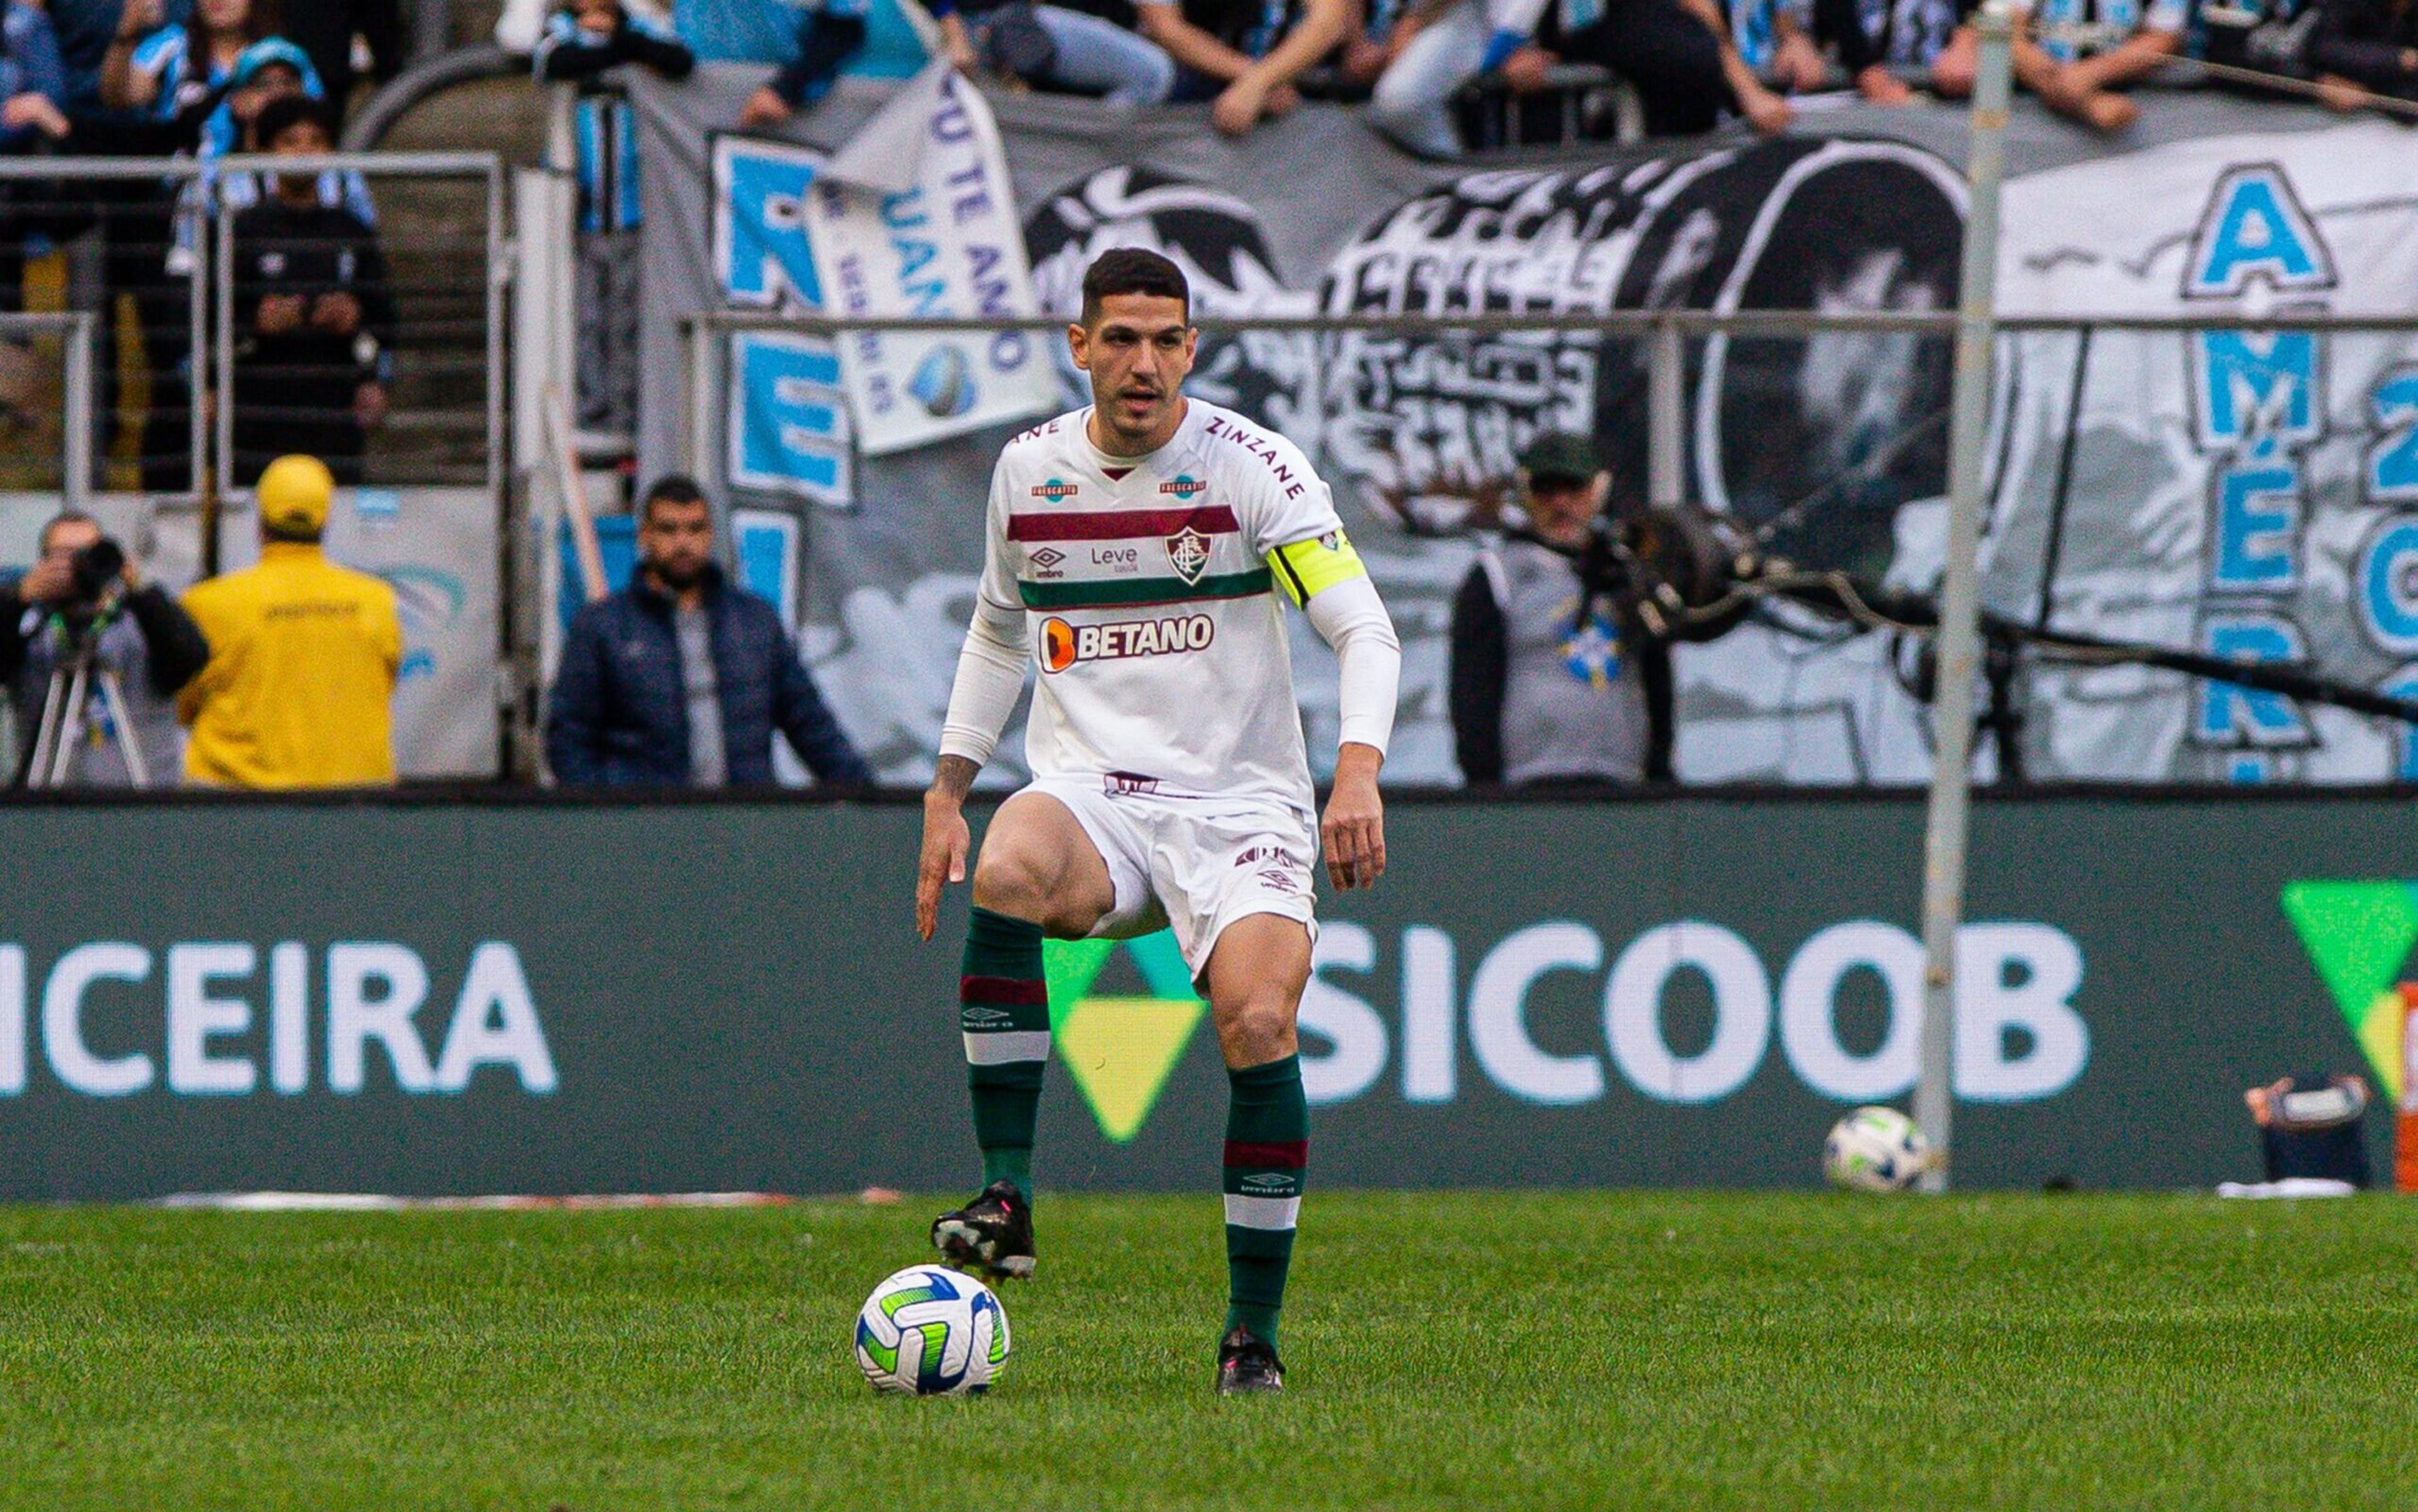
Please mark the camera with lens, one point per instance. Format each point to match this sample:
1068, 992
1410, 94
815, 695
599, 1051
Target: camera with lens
1679, 568
95, 571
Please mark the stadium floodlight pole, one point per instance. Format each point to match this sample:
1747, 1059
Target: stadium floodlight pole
1960, 632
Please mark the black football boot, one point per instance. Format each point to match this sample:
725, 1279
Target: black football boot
1247, 1365
991, 1236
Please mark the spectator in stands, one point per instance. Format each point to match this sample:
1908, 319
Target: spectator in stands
1775, 39
181, 76
1242, 55
681, 678
1053, 47
584, 38
1555, 684
163, 70
1376, 42
581, 42
304, 656
314, 318
271, 70
897, 37
33, 90
33, 81
140, 634
2364, 49
88, 29
830, 32
2077, 55
1676, 53
326, 30
1874, 38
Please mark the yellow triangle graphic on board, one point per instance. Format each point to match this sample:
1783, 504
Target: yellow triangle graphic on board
1120, 1050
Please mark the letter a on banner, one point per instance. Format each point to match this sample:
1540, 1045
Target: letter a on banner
916, 218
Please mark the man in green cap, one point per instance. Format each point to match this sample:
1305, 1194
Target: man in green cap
1556, 685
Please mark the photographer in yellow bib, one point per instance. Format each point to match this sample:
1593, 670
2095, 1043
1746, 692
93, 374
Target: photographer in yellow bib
304, 656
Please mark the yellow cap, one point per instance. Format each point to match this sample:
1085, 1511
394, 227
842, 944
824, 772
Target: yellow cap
294, 494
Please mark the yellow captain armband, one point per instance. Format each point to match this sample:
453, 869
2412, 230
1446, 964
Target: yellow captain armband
1306, 569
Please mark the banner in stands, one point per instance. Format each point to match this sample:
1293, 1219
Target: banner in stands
916, 218
446, 1000
2237, 494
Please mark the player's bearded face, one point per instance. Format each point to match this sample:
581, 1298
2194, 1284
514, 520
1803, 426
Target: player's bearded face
1138, 350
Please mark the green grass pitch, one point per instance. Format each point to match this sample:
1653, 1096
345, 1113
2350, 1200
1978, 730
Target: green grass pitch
1571, 1349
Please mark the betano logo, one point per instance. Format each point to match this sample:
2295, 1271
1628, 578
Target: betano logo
2360, 936
1120, 1049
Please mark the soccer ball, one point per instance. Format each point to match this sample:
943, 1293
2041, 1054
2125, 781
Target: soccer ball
929, 1332
1875, 1150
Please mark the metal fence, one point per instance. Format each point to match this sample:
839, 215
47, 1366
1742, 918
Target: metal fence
1821, 438
171, 234
50, 416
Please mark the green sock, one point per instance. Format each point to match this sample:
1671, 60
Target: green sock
1003, 1010
1267, 1145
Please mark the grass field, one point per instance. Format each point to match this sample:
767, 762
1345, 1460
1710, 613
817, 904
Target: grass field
1565, 1349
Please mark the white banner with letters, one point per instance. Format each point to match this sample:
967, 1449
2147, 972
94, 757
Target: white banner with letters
2251, 494
917, 218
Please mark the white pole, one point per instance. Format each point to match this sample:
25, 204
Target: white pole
1959, 648
80, 420
1666, 426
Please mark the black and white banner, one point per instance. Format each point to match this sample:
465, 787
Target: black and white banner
2234, 493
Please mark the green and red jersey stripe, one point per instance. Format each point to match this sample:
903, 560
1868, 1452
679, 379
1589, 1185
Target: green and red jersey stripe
1139, 592
1121, 525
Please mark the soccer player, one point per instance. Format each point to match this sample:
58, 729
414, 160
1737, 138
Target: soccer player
1136, 548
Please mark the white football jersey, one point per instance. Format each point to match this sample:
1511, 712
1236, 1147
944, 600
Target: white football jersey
1151, 609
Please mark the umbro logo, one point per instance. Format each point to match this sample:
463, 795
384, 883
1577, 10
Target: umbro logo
971, 1015
1047, 556
1270, 1183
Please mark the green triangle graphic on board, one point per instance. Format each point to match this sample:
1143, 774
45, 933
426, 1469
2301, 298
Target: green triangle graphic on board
2359, 936
1120, 1049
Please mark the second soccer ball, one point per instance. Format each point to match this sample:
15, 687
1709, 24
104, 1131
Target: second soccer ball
1875, 1150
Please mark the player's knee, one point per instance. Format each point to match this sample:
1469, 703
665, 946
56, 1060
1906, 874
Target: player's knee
1257, 1028
1013, 880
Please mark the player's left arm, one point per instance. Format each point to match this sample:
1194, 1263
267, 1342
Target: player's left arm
1324, 574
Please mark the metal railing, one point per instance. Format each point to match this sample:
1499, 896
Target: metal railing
77, 333
1664, 334
201, 223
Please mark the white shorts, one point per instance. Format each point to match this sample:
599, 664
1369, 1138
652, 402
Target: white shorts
1193, 865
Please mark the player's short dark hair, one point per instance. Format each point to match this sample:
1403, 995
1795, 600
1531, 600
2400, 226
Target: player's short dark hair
671, 488
284, 112
1133, 270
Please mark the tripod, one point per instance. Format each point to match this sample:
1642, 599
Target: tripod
67, 707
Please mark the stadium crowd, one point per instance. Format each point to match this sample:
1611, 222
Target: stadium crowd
1418, 63
193, 79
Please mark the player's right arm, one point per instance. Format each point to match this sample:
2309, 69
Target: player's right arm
990, 675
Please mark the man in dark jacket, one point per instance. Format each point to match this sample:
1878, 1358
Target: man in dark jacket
1556, 685
681, 679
